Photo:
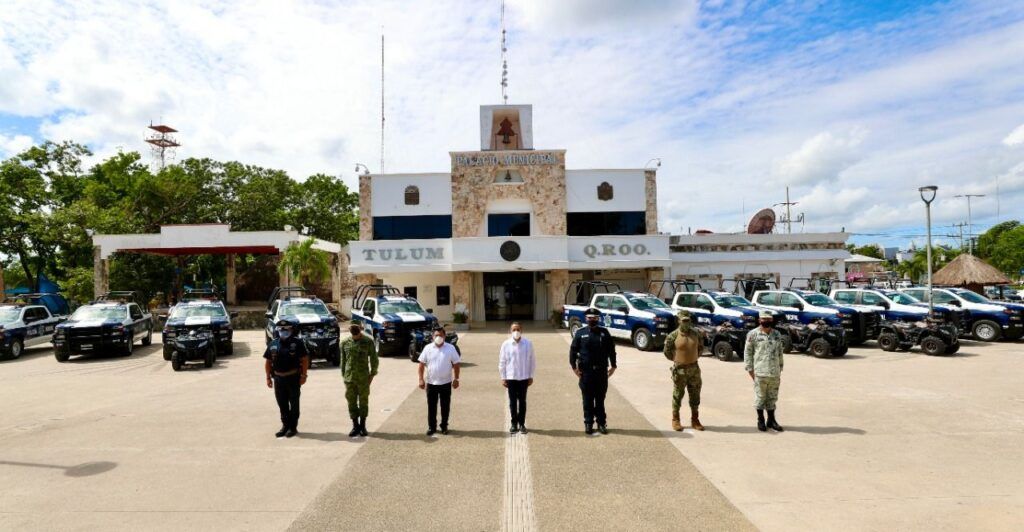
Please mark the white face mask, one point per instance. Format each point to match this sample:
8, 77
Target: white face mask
517, 335
439, 341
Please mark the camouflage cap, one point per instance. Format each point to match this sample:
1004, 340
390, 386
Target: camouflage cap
683, 315
766, 314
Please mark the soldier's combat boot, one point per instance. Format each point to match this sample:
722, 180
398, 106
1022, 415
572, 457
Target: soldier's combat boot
676, 426
695, 420
280, 433
771, 422
355, 428
362, 427
760, 420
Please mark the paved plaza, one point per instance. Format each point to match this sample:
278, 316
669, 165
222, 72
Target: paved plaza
873, 441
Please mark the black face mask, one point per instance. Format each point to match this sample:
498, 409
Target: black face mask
356, 331
592, 323
767, 324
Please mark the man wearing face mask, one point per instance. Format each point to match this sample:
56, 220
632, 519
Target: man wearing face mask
683, 347
439, 374
762, 357
590, 354
287, 362
516, 363
358, 367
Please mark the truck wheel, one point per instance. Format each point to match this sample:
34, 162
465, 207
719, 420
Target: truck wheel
149, 337
16, 348
413, 355
574, 325
933, 346
986, 331
723, 351
211, 357
129, 346
176, 361
642, 339
61, 356
335, 356
228, 348
378, 346
887, 341
167, 353
820, 348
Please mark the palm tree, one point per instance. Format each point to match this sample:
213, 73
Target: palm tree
303, 262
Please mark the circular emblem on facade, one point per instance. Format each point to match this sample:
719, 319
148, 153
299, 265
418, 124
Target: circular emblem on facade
510, 251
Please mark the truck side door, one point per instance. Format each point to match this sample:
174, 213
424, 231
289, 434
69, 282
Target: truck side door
612, 318
790, 304
704, 310
138, 325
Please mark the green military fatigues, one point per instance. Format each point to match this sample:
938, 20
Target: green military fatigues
358, 363
685, 377
763, 356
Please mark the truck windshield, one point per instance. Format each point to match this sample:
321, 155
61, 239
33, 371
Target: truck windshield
8, 315
99, 313
297, 309
971, 296
646, 302
394, 307
733, 301
819, 299
193, 311
904, 299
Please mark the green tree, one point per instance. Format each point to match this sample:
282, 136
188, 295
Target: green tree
1007, 254
869, 250
304, 262
326, 206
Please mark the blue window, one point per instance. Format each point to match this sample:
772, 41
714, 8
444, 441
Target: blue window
606, 223
410, 227
508, 224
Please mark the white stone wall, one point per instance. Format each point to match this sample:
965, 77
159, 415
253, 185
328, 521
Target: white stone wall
628, 186
387, 194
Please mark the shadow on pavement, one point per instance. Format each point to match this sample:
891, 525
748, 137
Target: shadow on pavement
322, 436
87, 469
751, 429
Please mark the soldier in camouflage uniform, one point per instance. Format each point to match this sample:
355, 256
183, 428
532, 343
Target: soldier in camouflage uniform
763, 359
358, 367
683, 347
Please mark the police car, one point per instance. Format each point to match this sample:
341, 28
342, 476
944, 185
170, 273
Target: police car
202, 312
396, 322
898, 306
990, 320
640, 317
807, 306
25, 322
317, 325
111, 323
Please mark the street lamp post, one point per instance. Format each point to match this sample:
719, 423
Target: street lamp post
928, 196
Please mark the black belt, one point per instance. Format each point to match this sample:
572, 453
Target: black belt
686, 365
286, 373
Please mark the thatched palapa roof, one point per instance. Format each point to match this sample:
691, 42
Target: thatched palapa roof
968, 270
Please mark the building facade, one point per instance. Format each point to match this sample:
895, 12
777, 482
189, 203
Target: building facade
504, 231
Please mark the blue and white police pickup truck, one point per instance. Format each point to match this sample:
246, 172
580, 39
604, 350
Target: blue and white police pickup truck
317, 324
897, 306
25, 321
807, 306
204, 314
111, 323
717, 308
989, 320
396, 322
639, 317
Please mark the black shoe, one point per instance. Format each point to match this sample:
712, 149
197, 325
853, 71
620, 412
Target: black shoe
589, 429
772, 424
355, 429
291, 433
281, 433
760, 421
362, 427
603, 429
430, 432
513, 429
444, 430
522, 429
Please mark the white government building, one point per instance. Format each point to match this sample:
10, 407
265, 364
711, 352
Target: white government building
502, 233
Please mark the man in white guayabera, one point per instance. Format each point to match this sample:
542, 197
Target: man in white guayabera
440, 363
516, 364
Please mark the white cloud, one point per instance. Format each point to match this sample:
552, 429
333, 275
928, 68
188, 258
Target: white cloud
14, 144
821, 158
1016, 137
626, 15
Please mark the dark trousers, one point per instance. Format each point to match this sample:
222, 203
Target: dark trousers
286, 391
517, 402
594, 385
444, 393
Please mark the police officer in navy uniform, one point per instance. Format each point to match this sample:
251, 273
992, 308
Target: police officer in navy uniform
286, 367
591, 353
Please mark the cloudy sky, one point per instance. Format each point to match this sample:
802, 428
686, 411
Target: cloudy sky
853, 104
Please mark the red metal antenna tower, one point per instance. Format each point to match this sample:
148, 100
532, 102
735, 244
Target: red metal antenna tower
163, 142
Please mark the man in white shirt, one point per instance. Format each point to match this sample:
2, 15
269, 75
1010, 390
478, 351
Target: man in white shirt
440, 361
516, 364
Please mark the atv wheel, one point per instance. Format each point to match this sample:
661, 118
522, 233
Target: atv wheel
211, 356
176, 361
933, 346
574, 326
413, 354
887, 341
953, 348
17, 348
787, 343
642, 339
167, 353
723, 351
61, 356
149, 337
820, 348
986, 331
840, 351
905, 347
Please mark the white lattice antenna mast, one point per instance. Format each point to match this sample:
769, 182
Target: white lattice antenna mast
382, 100
504, 57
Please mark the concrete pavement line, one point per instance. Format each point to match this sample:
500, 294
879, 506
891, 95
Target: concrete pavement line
517, 509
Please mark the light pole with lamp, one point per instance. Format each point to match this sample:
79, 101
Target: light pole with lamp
928, 196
